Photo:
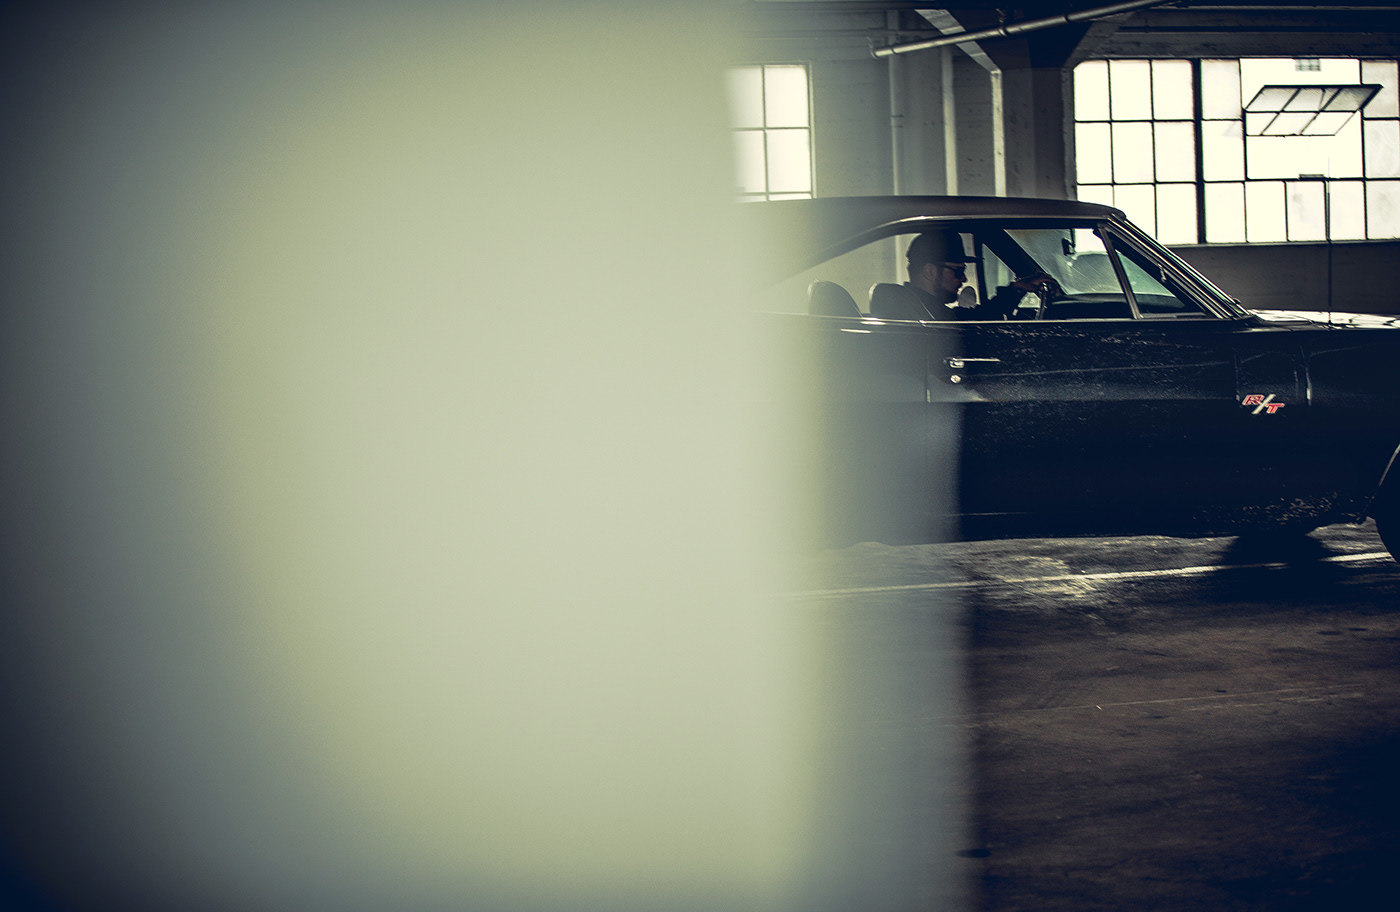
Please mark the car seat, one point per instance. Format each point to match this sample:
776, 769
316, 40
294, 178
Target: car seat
895, 302
827, 299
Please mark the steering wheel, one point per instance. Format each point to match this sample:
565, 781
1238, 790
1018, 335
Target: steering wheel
1047, 290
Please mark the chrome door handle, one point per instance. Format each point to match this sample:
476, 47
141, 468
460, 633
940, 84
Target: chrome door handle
960, 363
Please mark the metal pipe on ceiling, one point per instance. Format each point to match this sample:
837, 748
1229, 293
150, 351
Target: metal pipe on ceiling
1292, 8
895, 68
1016, 28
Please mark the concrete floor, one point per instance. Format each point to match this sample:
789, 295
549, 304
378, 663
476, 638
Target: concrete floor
1149, 723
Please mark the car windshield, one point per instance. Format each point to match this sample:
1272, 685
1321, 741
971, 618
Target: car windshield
1031, 269
1074, 257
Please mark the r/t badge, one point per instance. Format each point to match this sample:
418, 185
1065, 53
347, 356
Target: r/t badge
1262, 403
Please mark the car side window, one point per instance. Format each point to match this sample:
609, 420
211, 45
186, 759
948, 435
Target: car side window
999, 274
1085, 284
1074, 270
1153, 288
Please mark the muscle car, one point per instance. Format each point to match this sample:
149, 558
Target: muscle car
1115, 390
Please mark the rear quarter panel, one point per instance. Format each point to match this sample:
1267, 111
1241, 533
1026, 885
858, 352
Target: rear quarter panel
1353, 377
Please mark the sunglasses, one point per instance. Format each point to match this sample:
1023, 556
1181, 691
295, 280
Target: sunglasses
959, 269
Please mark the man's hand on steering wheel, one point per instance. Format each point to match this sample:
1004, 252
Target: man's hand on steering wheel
1041, 284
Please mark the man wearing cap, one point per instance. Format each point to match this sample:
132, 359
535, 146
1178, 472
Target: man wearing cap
937, 270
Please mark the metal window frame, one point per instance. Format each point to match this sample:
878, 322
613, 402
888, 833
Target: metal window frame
1198, 122
1329, 94
768, 192
1153, 120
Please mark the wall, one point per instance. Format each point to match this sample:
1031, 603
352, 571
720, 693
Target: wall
850, 127
850, 93
851, 105
1365, 275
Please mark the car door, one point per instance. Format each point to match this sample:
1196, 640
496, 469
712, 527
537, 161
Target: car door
1083, 420
866, 449
1084, 424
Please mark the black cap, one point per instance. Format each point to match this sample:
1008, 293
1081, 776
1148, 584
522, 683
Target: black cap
944, 246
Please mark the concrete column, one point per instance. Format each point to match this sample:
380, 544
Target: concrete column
977, 151
1037, 110
918, 133
950, 121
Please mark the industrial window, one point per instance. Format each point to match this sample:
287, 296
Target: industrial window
1229, 151
772, 131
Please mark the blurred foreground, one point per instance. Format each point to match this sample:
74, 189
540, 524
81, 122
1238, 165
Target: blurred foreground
383, 526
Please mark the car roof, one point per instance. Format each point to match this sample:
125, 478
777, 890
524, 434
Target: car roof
800, 233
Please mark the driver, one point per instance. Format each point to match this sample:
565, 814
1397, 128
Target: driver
937, 270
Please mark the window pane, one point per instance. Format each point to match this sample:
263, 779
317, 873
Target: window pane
1091, 152
1224, 213
1339, 71
1220, 88
1385, 102
1382, 148
1289, 124
1343, 151
785, 95
1146, 278
1307, 100
749, 167
789, 161
1264, 211
1139, 204
1383, 209
1222, 147
1132, 152
1101, 193
1091, 90
1287, 156
1271, 98
1171, 90
1130, 89
1176, 213
1305, 211
1348, 98
997, 272
1089, 270
745, 96
1347, 213
1328, 123
1257, 123
1176, 151
1082, 268
1255, 73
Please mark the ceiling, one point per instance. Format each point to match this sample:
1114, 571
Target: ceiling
1178, 28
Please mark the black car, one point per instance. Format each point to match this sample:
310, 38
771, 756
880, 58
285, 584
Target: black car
1083, 380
